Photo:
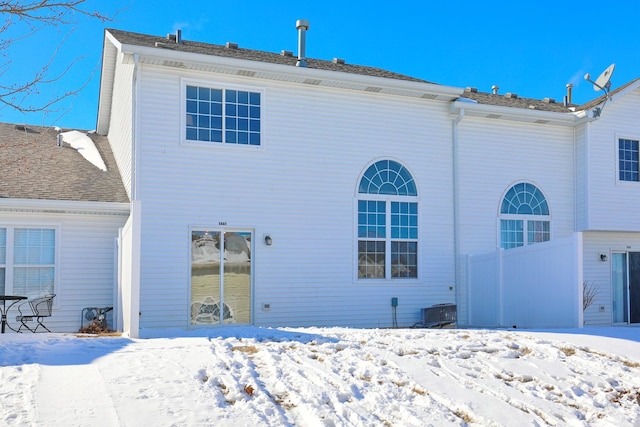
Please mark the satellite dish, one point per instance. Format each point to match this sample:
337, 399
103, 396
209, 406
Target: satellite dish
603, 82
604, 79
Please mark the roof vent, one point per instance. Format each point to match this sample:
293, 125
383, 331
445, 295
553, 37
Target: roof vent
338, 60
549, 100
177, 37
568, 97
495, 89
472, 89
511, 95
231, 45
286, 53
302, 25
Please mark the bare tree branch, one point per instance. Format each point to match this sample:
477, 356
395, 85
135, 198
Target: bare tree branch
589, 294
48, 11
23, 19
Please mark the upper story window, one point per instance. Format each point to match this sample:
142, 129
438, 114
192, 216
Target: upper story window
628, 160
27, 261
387, 222
222, 115
524, 217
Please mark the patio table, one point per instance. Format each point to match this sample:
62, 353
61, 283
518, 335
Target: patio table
4, 309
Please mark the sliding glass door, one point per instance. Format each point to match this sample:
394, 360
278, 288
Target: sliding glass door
220, 277
626, 287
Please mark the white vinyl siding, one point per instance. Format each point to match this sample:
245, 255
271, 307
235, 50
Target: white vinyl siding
84, 262
598, 273
582, 178
121, 121
494, 155
606, 191
519, 152
299, 189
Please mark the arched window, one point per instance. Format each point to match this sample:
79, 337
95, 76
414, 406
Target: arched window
524, 216
387, 222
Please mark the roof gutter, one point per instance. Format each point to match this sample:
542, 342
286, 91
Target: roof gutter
273, 71
517, 114
64, 207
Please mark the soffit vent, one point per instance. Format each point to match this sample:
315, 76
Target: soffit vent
494, 116
312, 82
246, 73
175, 64
429, 96
372, 89
541, 122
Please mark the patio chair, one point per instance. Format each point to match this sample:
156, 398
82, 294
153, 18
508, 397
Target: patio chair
38, 309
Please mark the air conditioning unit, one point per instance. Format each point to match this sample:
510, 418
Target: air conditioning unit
439, 315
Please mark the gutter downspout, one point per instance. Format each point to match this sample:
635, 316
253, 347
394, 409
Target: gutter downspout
587, 172
456, 213
136, 217
134, 127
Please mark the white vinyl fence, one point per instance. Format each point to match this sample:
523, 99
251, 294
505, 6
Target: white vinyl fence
535, 286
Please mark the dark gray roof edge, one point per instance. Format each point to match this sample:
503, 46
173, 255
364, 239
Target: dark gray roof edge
600, 99
514, 101
145, 40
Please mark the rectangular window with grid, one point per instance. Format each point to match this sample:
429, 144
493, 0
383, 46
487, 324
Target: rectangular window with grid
511, 233
628, 160
372, 224
539, 231
33, 261
223, 115
387, 239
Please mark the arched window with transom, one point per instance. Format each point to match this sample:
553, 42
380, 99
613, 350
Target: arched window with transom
387, 222
524, 216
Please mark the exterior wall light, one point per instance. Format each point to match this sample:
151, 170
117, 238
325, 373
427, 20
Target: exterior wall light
603, 257
267, 240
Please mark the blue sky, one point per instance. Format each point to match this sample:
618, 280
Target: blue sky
530, 48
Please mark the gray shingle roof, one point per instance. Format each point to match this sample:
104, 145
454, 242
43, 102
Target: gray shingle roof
137, 39
593, 103
33, 167
514, 101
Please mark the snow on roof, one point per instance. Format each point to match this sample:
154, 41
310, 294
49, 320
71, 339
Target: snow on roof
85, 146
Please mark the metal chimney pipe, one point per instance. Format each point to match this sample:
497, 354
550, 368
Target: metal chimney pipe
302, 25
178, 36
569, 88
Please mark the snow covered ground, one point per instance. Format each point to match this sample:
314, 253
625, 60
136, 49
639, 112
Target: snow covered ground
248, 376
